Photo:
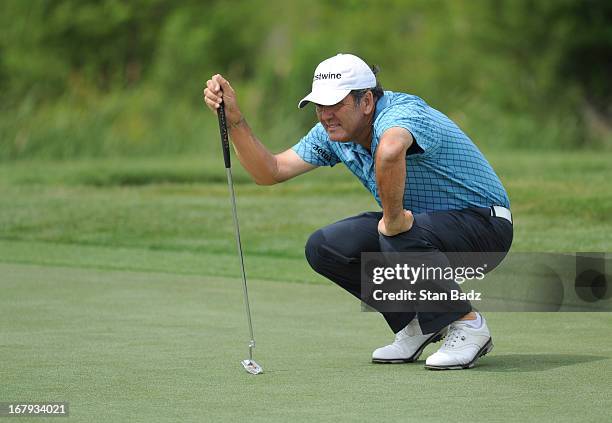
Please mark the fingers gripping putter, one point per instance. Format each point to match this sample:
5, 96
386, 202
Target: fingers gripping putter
249, 365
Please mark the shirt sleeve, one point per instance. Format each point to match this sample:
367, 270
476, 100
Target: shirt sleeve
415, 118
314, 148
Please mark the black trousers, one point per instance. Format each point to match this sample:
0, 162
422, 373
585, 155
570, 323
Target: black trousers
335, 250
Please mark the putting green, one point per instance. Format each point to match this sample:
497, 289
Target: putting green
148, 347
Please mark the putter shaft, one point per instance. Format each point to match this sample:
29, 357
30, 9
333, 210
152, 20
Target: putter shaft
230, 183
249, 365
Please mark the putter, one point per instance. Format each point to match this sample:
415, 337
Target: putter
249, 365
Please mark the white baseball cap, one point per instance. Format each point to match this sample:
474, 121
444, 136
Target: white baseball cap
336, 77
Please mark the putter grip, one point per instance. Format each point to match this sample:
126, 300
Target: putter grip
224, 136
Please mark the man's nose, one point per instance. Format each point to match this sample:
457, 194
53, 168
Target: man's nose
326, 113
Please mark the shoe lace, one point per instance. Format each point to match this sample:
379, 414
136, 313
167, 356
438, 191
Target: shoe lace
400, 335
404, 333
455, 334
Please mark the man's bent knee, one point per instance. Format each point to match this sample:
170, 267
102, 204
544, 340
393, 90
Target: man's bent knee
319, 251
312, 249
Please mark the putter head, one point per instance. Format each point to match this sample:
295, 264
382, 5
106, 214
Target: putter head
251, 367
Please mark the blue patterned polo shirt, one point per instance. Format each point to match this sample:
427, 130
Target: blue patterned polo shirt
448, 172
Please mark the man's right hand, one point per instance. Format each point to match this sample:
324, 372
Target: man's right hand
264, 167
219, 89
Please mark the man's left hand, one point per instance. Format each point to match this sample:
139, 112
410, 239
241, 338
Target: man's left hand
392, 227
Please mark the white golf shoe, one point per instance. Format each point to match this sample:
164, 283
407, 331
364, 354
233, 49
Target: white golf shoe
462, 347
408, 345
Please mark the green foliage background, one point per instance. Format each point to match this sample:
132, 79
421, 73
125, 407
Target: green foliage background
85, 78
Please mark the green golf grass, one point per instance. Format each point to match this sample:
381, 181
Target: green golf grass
138, 346
120, 294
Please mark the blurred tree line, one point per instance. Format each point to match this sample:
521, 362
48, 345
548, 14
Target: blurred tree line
110, 77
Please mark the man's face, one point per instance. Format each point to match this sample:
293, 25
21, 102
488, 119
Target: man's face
343, 121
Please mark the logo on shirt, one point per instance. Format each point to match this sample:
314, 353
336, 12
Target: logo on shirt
324, 154
328, 75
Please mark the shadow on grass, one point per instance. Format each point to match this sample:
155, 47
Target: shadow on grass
532, 362
140, 178
120, 177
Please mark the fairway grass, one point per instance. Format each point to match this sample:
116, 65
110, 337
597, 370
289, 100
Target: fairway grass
120, 294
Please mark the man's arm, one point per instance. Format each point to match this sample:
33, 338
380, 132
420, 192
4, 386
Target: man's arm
264, 167
391, 180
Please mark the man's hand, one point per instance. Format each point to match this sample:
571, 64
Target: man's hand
219, 89
402, 223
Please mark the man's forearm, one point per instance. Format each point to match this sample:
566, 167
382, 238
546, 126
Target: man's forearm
252, 154
390, 178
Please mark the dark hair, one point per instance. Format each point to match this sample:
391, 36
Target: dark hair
377, 91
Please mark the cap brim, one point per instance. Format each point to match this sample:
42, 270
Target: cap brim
324, 97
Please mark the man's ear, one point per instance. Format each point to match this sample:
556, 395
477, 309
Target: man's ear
367, 103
